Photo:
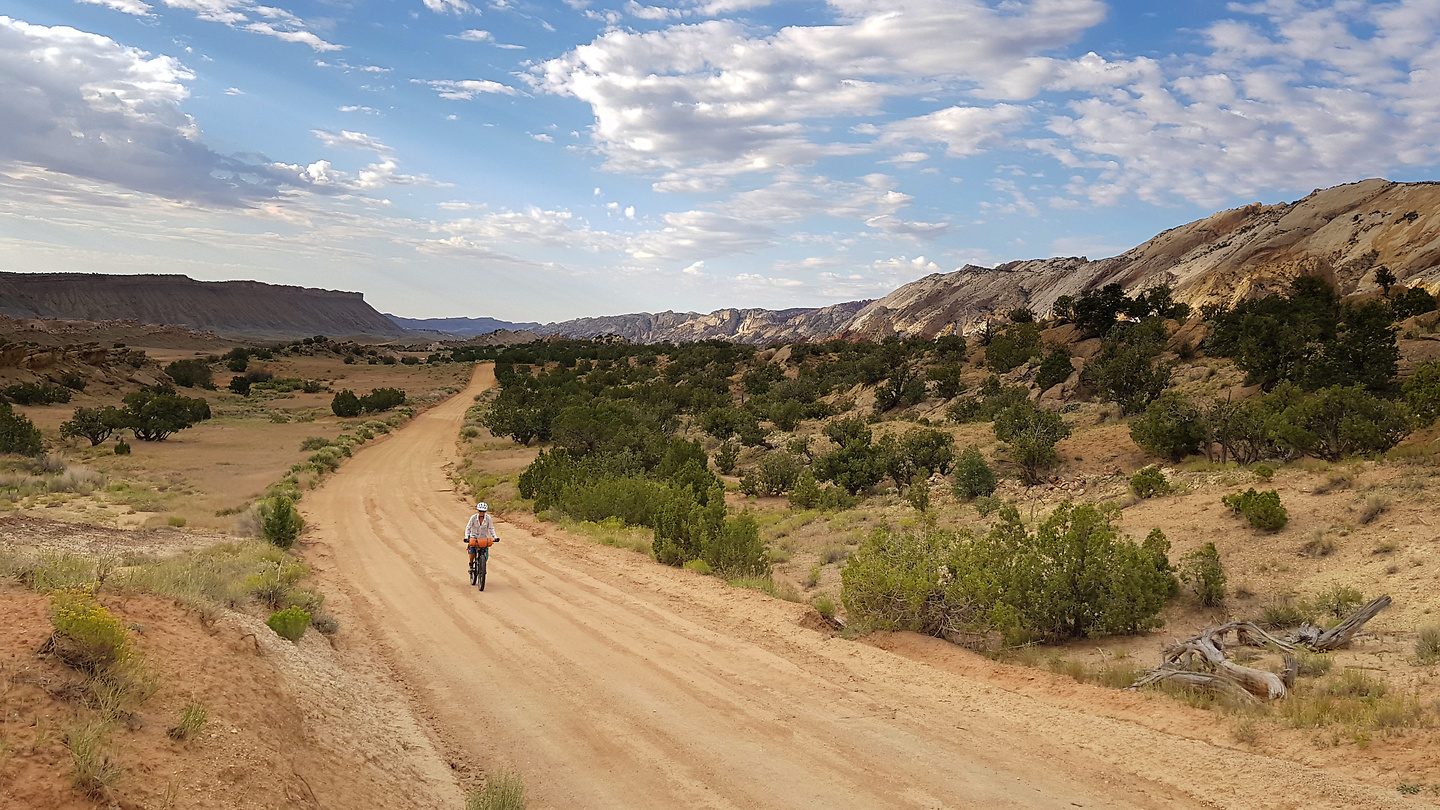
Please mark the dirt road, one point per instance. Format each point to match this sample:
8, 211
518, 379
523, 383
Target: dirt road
610, 681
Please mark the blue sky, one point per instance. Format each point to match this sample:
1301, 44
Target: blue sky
547, 160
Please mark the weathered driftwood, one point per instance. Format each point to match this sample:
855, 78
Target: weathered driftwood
1321, 640
1200, 661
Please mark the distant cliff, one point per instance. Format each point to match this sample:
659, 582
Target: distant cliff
246, 309
1342, 233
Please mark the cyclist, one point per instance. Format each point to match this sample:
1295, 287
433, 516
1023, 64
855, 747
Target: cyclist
480, 531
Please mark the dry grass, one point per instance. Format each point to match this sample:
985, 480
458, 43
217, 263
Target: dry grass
192, 718
1427, 646
1375, 506
93, 769
503, 791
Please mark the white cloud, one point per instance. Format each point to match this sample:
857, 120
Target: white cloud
84, 105
234, 91
542, 137
353, 108
695, 268
473, 35
691, 235
237, 14
352, 140
467, 89
714, 98
135, 7
634, 9
964, 131
450, 7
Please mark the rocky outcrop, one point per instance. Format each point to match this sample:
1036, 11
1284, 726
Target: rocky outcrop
758, 326
1342, 233
242, 309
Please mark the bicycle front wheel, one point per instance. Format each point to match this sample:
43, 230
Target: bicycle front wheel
480, 568
474, 568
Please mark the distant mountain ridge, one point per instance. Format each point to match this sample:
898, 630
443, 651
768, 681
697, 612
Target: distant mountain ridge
1343, 233
237, 309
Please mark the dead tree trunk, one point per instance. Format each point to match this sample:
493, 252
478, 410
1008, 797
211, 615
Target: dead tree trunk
1200, 661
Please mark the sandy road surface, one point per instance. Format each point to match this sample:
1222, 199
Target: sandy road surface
612, 682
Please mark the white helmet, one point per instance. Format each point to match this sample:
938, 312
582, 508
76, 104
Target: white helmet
482, 507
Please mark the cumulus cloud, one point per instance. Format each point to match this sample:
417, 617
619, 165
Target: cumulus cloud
964, 131
84, 105
714, 95
353, 140
691, 235
467, 89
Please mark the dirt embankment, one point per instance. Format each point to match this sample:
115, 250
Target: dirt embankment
610, 681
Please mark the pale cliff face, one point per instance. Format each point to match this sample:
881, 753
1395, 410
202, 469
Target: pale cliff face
1342, 233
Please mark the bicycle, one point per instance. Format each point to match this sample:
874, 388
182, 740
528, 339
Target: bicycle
479, 558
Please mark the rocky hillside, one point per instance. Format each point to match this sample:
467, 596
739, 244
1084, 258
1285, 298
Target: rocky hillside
1343, 233
242, 309
743, 325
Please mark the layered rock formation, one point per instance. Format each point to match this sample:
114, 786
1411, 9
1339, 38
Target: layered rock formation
761, 326
1342, 233
247, 309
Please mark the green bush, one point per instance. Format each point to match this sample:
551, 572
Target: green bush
1148, 482
1338, 601
1074, 576
280, 522
190, 374
918, 449
122, 447
1422, 392
290, 623
973, 477
726, 457
1261, 509
1012, 346
87, 635
1263, 471
987, 505
1031, 434
502, 791
1427, 645
1171, 428
777, 473
17, 433
1336, 422
154, 414
806, 492
382, 399
37, 393
239, 385
1054, 369
687, 529
991, 399
345, 404
1202, 571
94, 424
1126, 371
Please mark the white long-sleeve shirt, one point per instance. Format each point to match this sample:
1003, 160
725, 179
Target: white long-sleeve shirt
480, 526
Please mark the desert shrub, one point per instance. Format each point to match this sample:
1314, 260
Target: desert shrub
857, 464
699, 566
190, 374
1414, 301
122, 447
1171, 428
1375, 506
632, 498
193, 716
1427, 645
991, 399
87, 635
918, 493
382, 399
687, 529
1012, 346
1422, 392
1337, 601
314, 443
239, 385
37, 393
777, 473
919, 448
726, 457
1261, 509
502, 791
1202, 571
325, 623
1074, 576
1336, 422
825, 606
987, 505
94, 424
280, 521
17, 433
1125, 371
945, 381
1031, 434
153, 415
1147, 482
1054, 369
1263, 471
1283, 612
786, 415
73, 380
973, 477
806, 492
346, 405
290, 623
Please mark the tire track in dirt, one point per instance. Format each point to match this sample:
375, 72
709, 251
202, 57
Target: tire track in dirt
613, 682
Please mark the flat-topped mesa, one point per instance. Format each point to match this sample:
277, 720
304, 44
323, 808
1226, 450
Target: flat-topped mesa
232, 308
1342, 233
